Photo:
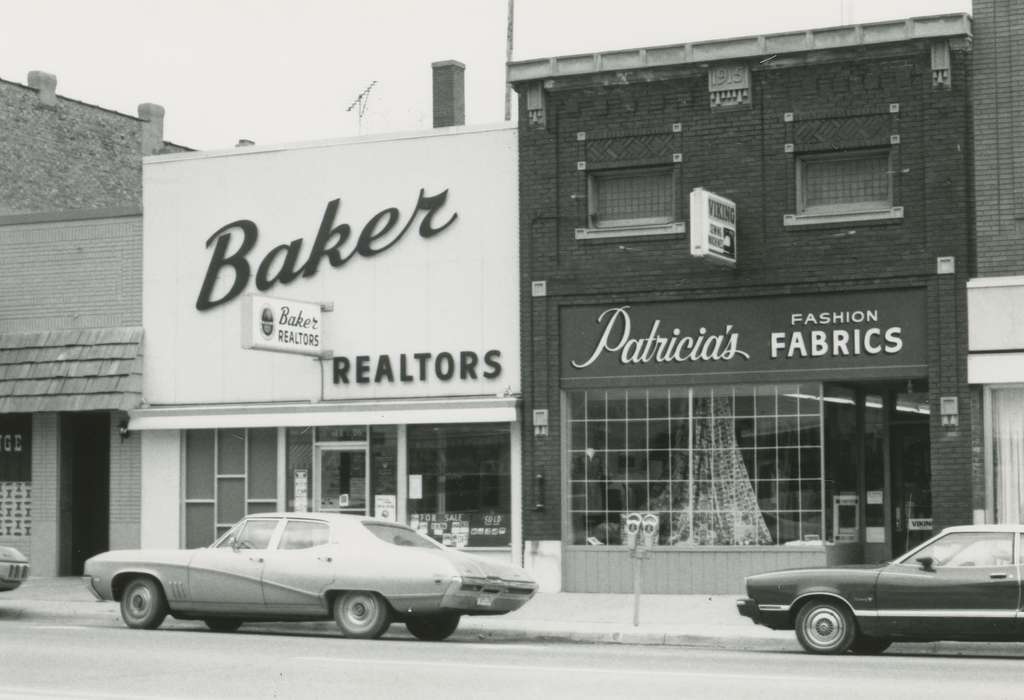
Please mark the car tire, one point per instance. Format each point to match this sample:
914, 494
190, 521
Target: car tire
362, 614
143, 604
433, 628
825, 627
222, 624
869, 645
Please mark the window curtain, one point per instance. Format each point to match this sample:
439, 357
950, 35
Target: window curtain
1008, 457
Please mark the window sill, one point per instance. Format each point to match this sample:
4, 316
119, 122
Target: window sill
630, 231
890, 214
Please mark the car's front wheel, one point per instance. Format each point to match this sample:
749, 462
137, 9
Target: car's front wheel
869, 645
825, 627
433, 628
143, 605
362, 614
223, 624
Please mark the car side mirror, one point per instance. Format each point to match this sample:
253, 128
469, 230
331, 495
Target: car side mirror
926, 563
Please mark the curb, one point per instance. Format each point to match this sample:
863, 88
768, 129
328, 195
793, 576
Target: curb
108, 615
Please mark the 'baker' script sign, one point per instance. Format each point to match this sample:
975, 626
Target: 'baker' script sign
282, 265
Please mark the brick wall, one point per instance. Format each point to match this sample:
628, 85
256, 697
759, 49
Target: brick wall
999, 136
71, 274
125, 486
740, 153
71, 155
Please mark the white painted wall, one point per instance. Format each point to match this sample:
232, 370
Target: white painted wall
161, 489
543, 560
452, 292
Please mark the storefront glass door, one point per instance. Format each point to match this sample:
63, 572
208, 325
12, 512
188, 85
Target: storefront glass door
341, 480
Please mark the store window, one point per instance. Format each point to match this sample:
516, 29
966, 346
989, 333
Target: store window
229, 473
1007, 426
719, 466
459, 488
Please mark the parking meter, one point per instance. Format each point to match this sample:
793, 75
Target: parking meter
632, 534
649, 527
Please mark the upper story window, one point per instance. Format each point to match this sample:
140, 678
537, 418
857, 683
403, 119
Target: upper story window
848, 185
631, 202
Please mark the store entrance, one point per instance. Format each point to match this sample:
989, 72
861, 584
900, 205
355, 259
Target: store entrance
340, 480
878, 475
84, 489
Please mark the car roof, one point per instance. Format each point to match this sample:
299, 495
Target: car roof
989, 527
324, 517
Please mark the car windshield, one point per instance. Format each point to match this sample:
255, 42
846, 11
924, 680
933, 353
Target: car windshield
401, 536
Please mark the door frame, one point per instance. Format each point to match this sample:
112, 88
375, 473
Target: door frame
361, 447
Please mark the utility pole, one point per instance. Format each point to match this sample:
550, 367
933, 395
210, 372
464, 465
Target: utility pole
508, 59
359, 104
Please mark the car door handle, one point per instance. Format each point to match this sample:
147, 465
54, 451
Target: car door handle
999, 575
258, 560
326, 559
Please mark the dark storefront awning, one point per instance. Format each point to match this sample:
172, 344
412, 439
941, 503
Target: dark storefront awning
71, 370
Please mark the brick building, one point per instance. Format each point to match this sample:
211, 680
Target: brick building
996, 290
743, 301
70, 324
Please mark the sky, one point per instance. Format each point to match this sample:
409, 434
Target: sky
278, 71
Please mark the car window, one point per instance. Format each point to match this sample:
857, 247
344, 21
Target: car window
303, 534
401, 536
961, 549
254, 534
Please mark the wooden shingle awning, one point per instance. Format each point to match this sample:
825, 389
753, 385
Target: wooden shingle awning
91, 369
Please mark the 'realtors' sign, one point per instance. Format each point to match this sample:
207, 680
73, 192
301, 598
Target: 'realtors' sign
828, 336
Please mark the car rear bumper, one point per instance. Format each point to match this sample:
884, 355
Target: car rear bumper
487, 596
12, 574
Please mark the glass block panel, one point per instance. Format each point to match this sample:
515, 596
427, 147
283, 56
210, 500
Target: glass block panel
845, 181
634, 196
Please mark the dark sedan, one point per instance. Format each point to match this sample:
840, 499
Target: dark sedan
963, 584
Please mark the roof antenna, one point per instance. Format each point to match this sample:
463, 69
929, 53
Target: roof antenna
360, 103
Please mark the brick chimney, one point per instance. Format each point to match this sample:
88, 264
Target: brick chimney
152, 117
46, 85
449, 93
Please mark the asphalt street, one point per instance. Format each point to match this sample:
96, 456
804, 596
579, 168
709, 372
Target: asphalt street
45, 660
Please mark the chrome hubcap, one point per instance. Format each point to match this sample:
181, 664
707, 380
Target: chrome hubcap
138, 602
360, 611
824, 627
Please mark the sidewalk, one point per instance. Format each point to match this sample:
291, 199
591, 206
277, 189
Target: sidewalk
704, 621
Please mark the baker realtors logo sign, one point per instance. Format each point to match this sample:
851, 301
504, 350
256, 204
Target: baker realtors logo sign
282, 325
828, 336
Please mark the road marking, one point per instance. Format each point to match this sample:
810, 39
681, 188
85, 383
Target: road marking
647, 673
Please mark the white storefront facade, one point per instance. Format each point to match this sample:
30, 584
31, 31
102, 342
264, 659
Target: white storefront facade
334, 326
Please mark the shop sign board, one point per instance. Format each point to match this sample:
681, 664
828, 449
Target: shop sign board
712, 227
282, 325
922, 524
412, 238
385, 507
15, 447
874, 334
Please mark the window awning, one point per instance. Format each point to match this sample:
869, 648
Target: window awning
473, 409
89, 369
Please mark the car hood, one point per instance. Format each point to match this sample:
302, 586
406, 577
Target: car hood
478, 567
12, 555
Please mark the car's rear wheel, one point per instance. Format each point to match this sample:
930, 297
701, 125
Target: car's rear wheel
869, 645
825, 627
433, 628
143, 605
362, 614
223, 624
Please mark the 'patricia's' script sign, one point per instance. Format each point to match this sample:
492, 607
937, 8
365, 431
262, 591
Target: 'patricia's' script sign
617, 338
281, 264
